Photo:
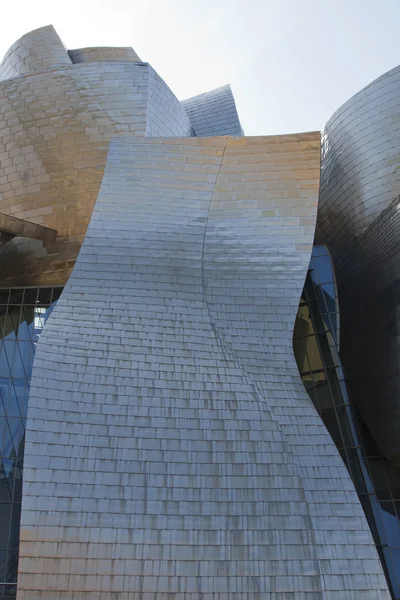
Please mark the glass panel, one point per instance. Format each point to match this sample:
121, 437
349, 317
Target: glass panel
345, 427
4, 295
25, 330
355, 469
369, 446
6, 488
44, 296
4, 367
316, 339
21, 322
368, 501
3, 560
12, 567
393, 477
30, 296
392, 560
16, 296
330, 420
391, 524
5, 517
329, 290
56, 293
323, 394
13, 407
381, 485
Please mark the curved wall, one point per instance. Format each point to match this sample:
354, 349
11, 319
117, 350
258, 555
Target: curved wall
371, 301
214, 113
103, 54
38, 50
360, 162
56, 127
180, 456
359, 182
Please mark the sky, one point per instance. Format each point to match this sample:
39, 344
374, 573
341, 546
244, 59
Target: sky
290, 63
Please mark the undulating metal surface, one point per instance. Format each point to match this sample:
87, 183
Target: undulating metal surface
357, 220
371, 325
316, 343
214, 113
360, 162
172, 451
36, 51
56, 122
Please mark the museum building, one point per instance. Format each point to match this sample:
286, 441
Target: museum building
186, 414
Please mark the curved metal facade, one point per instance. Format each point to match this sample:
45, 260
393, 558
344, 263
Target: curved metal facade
105, 54
56, 126
360, 162
214, 113
36, 51
172, 451
182, 442
315, 342
357, 220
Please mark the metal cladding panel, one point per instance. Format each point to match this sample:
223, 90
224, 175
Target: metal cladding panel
55, 128
370, 300
172, 451
360, 162
214, 113
38, 50
103, 54
359, 183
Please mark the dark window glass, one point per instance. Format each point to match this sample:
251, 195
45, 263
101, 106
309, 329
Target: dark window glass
330, 420
355, 469
44, 296
30, 296
316, 349
56, 293
16, 296
22, 318
4, 295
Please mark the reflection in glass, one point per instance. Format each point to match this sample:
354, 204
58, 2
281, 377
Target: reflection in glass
23, 313
316, 347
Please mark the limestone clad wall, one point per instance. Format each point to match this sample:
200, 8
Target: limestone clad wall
172, 451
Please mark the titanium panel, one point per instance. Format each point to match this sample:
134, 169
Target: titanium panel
214, 113
37, 50
172, 451
56, 126
357, 221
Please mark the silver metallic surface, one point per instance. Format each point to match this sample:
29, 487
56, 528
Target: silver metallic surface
359, 183
371, 322
36, 51
56, 122
214, 113
172, 451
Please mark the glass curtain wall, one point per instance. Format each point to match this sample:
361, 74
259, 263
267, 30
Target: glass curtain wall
23, 313
316, 347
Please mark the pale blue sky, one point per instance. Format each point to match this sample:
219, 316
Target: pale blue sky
291, 63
